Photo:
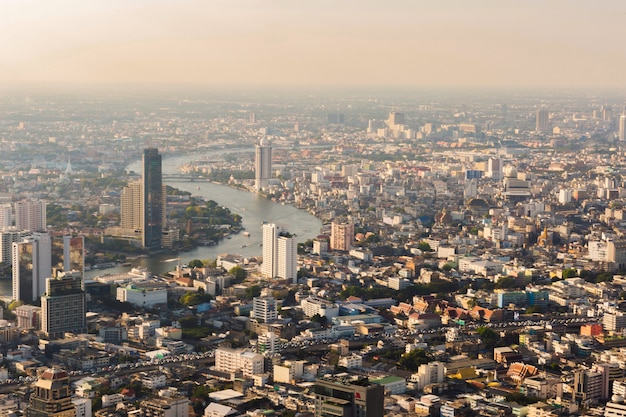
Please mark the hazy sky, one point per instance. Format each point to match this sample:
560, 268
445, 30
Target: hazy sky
499, 43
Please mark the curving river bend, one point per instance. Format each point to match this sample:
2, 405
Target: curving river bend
254, 210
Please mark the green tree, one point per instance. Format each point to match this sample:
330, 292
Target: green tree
424, 247
412, 360
569, 273
195, 263
489, 337
253, 291
238, 272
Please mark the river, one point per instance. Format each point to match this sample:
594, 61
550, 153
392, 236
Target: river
254, 211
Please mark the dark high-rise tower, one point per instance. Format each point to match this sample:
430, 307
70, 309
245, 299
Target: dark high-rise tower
153, 199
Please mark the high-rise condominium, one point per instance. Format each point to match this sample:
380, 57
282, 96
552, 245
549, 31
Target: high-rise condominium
263, 164
622, 127
30, 215
341, 236
280, 256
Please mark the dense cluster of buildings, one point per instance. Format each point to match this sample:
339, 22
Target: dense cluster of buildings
470, 263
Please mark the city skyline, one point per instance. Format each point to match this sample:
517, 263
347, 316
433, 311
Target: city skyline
450, 44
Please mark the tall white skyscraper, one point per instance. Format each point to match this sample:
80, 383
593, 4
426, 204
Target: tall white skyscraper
269, 267
32, 264
622, 127
287, 258
263, 164
280, 256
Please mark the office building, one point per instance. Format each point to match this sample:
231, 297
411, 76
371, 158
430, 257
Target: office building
263, 164
542, 120
51, 396
32, 264
622, 127
341, 236
348, 398
264, 309
235, 360
280, 255
30, 215
153, 198
63, 305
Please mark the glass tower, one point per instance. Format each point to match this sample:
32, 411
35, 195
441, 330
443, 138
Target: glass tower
153, 199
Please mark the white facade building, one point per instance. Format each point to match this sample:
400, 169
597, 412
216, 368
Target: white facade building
314, 305
264, 309
234, 360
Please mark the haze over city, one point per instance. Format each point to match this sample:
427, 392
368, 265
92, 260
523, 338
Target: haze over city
485, 43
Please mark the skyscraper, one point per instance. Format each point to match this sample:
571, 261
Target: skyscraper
51, 396
341, 236
269, 268
63, 305
542, 122
287, 258
280, 256
131, 213
153, 199
263, 164
32, 264
622, 127
30, 215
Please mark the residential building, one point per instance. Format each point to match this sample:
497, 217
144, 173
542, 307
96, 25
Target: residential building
341, 236
30, 215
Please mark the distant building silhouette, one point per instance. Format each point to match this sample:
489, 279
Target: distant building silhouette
542, 120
